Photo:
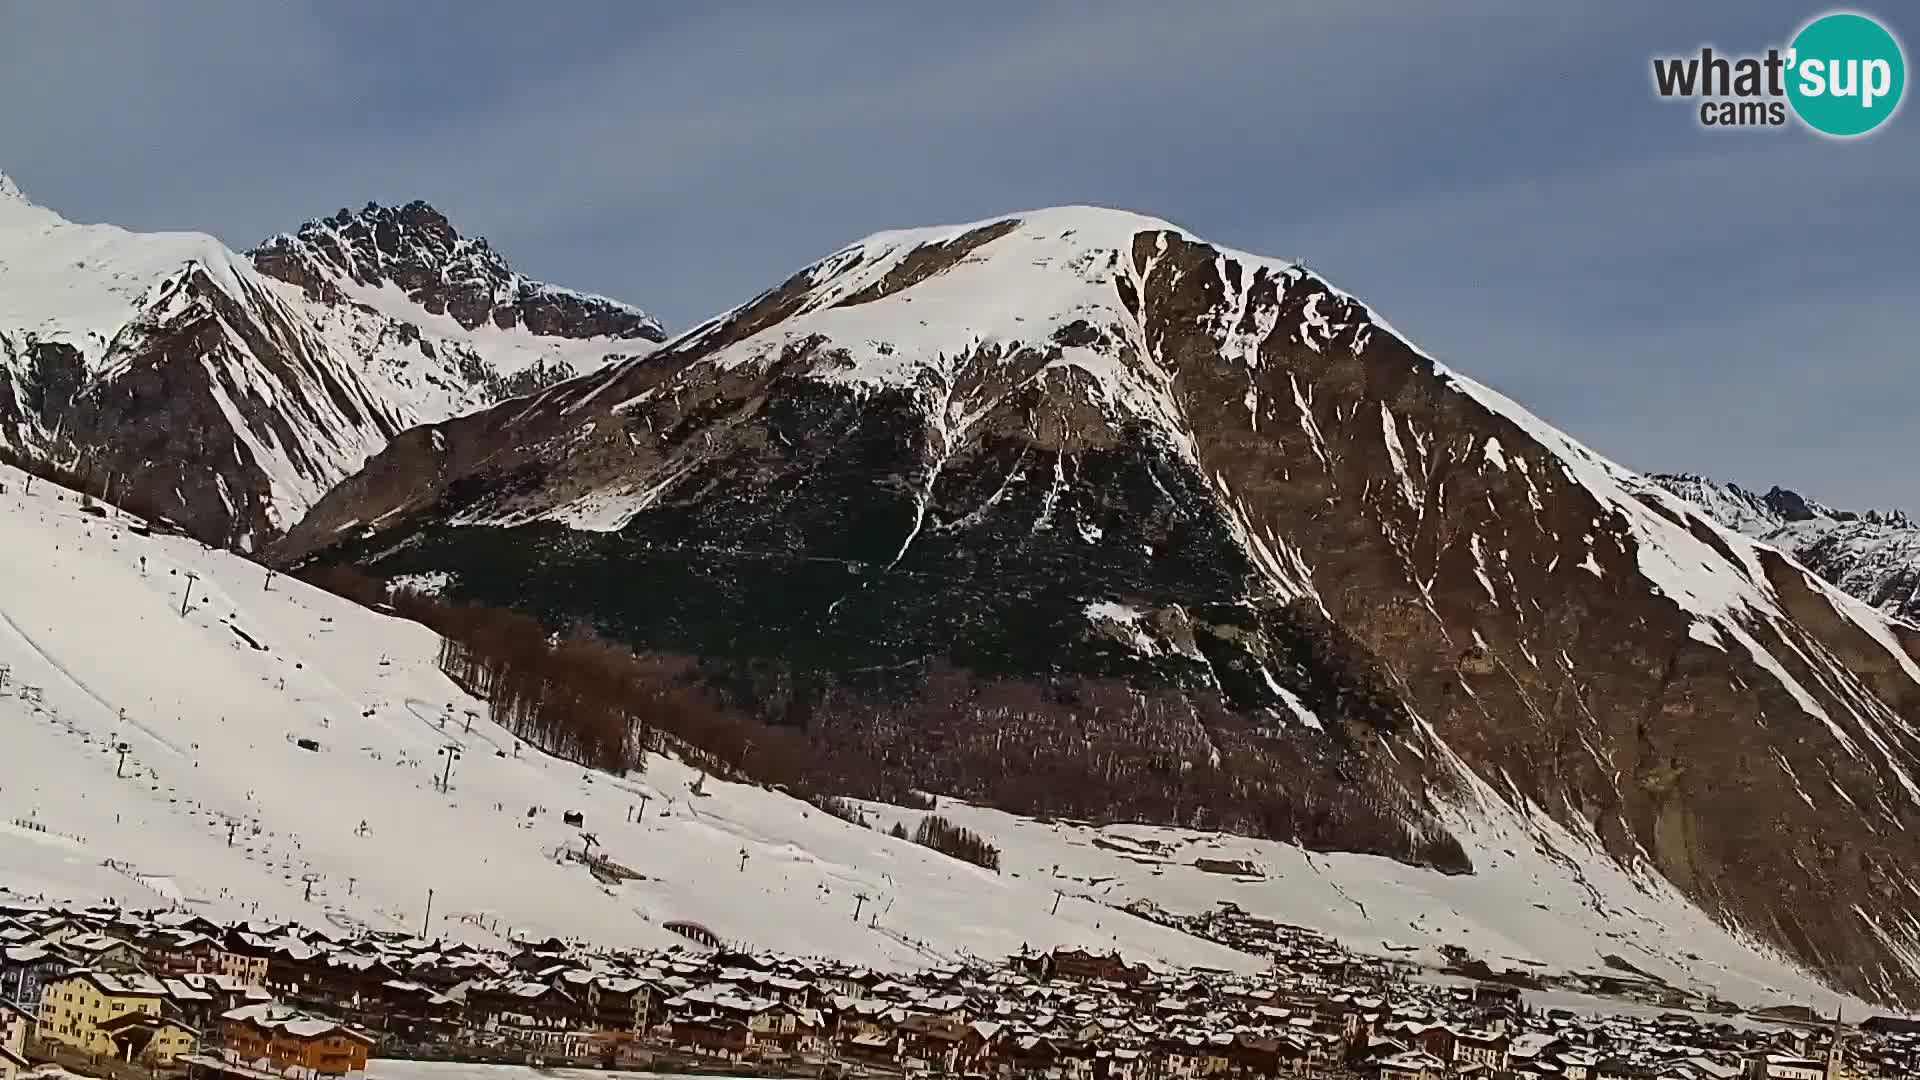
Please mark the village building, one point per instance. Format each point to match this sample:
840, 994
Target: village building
16, 1027
148, 1040
619, 1003
73, 1008
178, 952
101, 953
271, 1039
1409, 1065
1483, 1048
24, 969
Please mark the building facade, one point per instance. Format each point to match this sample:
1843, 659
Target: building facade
73, 1008
276, 1040
25, 970
16, 1027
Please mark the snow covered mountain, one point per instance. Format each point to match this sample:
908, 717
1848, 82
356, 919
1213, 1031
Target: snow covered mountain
168, 369
1084, 444
401, 285
211, 675
1873, 555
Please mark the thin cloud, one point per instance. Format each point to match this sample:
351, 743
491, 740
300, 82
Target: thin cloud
1498, 179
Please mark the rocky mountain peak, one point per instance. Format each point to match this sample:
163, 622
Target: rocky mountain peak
412, 246
1363, 595
9, 189
1793, 506
416, 249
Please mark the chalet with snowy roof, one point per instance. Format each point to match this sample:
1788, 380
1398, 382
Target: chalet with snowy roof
100, 952
540, 1017
1775, 1066
178, 952
244, 956
273, 1039
189, 922
349, 976
933, 1043
727, 1024
50, 929
1406, 1065
1031, 1055
619, 1003
25, 969
249, 969
414, 1011
1434, 1039
1482, 1048
1574, 1064
851, 982
1083, 966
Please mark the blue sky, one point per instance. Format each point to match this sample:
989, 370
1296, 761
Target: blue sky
1497, 179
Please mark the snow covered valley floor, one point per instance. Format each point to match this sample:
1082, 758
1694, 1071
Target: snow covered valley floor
218, 807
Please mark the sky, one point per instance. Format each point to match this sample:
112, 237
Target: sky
1496, 179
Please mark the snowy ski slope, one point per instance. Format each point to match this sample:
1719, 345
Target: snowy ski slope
213, 701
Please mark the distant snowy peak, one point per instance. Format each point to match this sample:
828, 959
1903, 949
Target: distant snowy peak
1729, 504
415, 248
9, 189
1761, 515
1873, 555
229, 394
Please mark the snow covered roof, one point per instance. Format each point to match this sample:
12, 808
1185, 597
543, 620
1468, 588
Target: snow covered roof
121, 984
272, 1017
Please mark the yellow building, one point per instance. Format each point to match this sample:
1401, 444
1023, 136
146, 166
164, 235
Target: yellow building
150, 1040
15, 1026
72, 1009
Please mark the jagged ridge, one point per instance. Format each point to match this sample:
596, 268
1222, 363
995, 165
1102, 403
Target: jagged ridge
415, 248
1873, 555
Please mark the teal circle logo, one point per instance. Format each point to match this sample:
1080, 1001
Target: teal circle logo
1846, 74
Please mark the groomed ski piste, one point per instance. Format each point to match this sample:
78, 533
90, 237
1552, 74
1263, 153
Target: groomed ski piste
218, 808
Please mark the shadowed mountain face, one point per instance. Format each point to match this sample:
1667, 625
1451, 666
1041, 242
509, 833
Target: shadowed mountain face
1080, 442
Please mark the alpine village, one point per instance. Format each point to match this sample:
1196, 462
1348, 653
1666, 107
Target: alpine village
129, 996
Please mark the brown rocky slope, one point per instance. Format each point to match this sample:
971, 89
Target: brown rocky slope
1080, 441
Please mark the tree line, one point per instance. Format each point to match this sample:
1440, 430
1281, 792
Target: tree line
1065, 747
944, 836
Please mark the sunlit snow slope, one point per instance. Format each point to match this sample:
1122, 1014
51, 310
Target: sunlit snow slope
211, 703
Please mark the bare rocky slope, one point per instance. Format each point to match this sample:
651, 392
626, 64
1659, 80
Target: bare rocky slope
1082, 441
1874, 554
228, 392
